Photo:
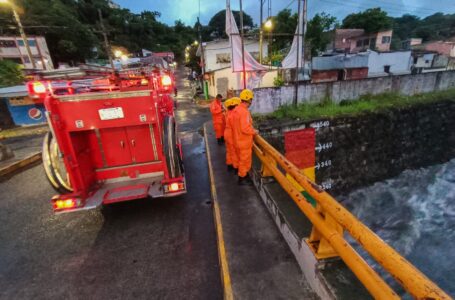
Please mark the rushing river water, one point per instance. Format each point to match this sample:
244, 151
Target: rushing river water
415, 214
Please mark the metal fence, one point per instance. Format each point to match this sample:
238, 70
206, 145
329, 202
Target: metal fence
330, 220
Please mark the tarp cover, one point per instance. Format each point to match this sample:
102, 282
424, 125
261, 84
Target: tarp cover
236, 46
290, 61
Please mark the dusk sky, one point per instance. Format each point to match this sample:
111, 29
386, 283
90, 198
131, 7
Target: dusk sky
187, 10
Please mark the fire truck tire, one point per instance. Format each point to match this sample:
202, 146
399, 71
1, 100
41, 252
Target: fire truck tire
171, 150
53, 166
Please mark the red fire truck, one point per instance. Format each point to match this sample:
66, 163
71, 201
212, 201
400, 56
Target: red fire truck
111, 139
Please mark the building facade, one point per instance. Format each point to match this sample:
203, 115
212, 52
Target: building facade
219, 75
339, 67
389, 63
217, 54
13, 48
444, 48
360, 65
409, 43
357, 40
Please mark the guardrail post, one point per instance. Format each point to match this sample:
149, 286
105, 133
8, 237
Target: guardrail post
269, 162
318, 244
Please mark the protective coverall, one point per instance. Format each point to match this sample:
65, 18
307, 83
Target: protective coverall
231, 153
243, 137
219, 122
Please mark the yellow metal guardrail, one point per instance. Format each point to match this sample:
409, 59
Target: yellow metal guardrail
330, 220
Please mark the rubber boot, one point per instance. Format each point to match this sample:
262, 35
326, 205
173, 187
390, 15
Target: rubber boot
230, 168
219, 141
236, 170
245, 180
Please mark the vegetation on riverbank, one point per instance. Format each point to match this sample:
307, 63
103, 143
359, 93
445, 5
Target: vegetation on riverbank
367, 103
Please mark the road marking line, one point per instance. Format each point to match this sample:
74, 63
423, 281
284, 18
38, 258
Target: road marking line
222, 255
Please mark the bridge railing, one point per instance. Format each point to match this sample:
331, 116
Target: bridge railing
330, 220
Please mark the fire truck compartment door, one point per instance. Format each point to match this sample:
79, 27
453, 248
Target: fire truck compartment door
141, 145
115, 146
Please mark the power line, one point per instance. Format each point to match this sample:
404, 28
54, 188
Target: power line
363, 6
290, 3
400, 7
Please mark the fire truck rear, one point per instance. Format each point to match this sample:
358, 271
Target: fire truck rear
111, 139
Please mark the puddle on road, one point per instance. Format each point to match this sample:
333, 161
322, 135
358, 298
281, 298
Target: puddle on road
192, 142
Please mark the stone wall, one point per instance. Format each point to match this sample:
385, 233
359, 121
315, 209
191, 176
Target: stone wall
356, 151
268, 100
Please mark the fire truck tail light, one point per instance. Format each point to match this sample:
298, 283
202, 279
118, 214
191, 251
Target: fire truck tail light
64, 204
38, 87
174, 187
166, 80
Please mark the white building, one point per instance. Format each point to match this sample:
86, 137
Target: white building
13, 48
217, 57
389, 63
217, 54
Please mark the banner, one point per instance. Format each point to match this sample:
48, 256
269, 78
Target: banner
290, 61
235, 41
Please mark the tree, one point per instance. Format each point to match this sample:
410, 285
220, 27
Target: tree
10, 73
317, 34
217, 23
283, 23
371, 20
435, 27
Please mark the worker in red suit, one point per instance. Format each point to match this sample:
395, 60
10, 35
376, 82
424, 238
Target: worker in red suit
219, 121
244, 133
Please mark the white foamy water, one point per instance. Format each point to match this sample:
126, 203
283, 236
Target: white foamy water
415, 214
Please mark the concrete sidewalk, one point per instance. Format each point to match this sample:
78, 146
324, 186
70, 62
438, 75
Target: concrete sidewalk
26, 149
259, 264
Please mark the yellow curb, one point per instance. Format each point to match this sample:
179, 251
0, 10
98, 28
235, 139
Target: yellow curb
20, 164
222, 255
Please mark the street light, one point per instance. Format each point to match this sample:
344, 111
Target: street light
21, 31
268, 24
118, 53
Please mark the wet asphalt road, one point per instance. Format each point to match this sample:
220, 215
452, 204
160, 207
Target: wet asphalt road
145, 249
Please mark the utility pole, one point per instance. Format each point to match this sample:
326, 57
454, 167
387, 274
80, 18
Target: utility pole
261, 31
204, 83
107, 46
23, 36
305, 21
243, 45
296, 84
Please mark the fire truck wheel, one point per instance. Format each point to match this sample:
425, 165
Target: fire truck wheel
53, 165
171, 150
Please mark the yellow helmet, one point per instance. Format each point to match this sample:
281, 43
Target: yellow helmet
228, 103
246, 95
236, 101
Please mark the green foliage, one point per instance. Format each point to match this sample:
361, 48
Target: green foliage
72, 28
283, 23
317, 29
371, 20
278, 81
10, 73
438, 26
217, 23
367, 103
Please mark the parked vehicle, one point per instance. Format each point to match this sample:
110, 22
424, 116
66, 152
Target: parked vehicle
111, 139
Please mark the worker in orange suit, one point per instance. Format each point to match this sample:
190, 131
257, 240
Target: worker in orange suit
232, 160
219, 122
243, 136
